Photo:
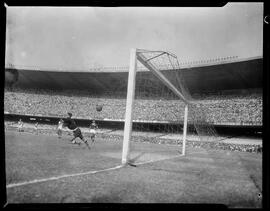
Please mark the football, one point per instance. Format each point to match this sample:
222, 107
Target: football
99, 108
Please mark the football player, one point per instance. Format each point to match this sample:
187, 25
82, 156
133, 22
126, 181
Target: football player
93, 127
60, 128
20, 125
71, 125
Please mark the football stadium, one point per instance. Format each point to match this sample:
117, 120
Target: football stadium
158, 130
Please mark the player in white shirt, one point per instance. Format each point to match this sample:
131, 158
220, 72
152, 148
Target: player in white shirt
60, 128
93, 127
36, 128
20, 125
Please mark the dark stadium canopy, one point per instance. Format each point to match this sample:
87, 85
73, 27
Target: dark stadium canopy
228, 76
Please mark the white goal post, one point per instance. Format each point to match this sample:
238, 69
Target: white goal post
134, 57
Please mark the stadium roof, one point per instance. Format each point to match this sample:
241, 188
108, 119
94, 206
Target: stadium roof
183, 65
217, 75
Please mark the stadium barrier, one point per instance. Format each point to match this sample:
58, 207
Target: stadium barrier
119, 123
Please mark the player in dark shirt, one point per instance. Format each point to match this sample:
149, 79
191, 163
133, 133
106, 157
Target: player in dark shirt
71, 124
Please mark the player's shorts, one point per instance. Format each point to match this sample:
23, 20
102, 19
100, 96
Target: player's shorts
78, 133
59, 132
92, 131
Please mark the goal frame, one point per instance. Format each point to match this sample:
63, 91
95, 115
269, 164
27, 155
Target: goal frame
134, 57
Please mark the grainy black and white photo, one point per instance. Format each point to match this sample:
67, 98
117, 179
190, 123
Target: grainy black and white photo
139, 105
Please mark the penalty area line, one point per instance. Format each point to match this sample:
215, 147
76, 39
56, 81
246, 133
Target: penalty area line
60, 177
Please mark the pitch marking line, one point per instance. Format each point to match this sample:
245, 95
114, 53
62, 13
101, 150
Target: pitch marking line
152, 161
60, 177
177, 156
85, 173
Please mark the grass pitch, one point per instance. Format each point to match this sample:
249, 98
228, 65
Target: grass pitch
45, 169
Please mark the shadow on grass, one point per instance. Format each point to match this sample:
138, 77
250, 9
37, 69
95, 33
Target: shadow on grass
133, 160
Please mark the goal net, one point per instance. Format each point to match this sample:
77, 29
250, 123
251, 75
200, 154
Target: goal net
160, 109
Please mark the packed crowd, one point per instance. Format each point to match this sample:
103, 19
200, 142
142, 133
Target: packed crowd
232, 109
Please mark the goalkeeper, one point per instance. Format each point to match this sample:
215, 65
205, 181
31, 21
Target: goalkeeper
71, 125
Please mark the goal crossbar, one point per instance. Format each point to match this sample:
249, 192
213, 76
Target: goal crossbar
158, 74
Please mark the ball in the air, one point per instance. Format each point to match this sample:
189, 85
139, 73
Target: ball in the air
99, 108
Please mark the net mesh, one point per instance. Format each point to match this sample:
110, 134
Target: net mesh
161, 108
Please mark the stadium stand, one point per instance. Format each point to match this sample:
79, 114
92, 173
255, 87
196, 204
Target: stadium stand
223, 109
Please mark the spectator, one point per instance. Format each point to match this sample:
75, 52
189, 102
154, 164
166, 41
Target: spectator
220, 108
